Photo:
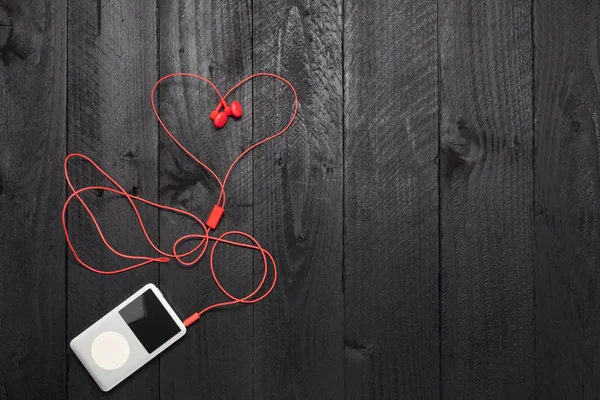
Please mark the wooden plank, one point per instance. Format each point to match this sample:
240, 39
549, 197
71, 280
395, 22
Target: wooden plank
111, 69
486, 199
211, 38
391, 200
567, 198
32, 250
298, 200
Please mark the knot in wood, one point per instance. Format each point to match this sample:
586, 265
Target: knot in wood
462, 144
6, 27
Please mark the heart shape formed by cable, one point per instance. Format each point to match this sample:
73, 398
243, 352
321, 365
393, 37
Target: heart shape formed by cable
222, 101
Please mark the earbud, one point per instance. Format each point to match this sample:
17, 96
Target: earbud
220, 117
220, 120
236, 109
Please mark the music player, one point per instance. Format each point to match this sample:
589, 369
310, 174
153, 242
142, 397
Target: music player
129, 336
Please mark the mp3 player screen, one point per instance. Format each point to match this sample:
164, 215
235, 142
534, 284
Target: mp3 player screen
149, 321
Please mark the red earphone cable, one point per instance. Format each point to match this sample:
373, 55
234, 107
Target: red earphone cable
203, 237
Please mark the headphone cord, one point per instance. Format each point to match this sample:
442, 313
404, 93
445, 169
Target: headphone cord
212, 222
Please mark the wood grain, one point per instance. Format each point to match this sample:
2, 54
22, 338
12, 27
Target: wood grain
391, 200
486, 199
32, 250
211, 38
111, 70
567, 196
434, 210
298, 192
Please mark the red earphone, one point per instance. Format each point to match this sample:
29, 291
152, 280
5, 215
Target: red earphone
220, 117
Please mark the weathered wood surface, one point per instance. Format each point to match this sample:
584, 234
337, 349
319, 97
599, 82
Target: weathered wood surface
32, 250
486, 188
433, 210
298, 200
391, 298
567, 199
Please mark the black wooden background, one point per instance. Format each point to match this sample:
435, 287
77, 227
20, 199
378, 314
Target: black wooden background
434, 211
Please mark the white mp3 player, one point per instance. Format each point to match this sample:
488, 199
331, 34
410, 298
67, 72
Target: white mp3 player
129, 336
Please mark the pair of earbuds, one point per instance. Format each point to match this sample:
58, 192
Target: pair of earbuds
221, 114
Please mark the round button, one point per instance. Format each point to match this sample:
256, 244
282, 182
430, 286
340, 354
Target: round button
110, 350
